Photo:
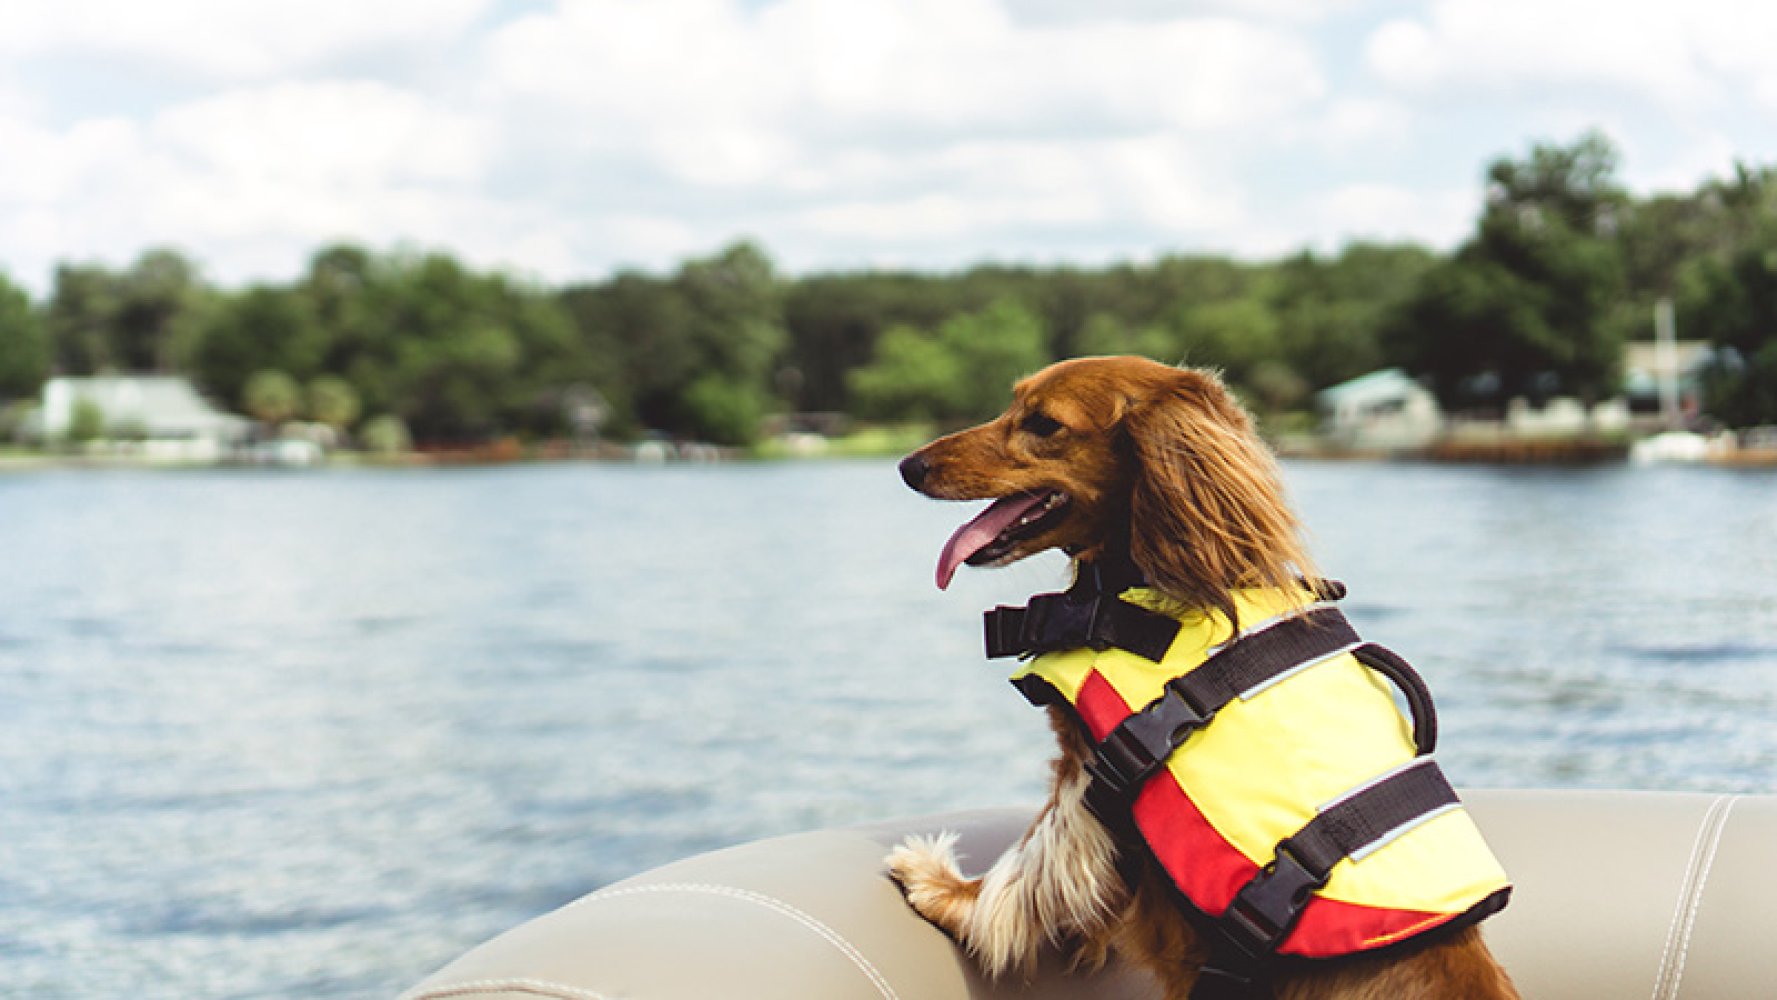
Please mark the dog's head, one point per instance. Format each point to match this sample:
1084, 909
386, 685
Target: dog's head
1104, 455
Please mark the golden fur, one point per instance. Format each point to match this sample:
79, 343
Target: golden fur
1163, 463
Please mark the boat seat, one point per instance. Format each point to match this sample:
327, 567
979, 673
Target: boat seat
1618, 894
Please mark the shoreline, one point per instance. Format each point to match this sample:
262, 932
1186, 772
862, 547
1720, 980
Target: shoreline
1585, 452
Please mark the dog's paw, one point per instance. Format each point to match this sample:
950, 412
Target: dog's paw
925, 867
921, 860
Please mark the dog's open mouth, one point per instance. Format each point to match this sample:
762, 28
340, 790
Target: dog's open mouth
993, 533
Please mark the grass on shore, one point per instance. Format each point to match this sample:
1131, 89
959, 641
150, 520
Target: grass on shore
865, 442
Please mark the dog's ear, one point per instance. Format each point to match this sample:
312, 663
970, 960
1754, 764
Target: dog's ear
1207, 511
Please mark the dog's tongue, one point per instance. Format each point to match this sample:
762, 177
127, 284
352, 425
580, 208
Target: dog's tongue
974, 536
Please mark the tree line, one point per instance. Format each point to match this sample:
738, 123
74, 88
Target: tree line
1562, 268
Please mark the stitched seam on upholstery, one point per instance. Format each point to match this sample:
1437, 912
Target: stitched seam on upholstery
1696, 904
539, 987
1669, 958
820, 929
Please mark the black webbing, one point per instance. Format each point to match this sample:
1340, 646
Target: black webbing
1260, 656
1088, 615
1266, 909
1053, 622
1370, 814
1129, 754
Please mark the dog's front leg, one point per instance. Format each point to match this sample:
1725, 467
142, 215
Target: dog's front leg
1059, 884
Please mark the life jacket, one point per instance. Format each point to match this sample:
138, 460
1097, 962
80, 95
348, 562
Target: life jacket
1303, 815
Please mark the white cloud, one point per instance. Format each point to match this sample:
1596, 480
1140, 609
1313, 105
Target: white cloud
230, 39
1392, 213
1360, 122
1063, 11
15, 102
1738, 47
1023, 195
1683, 90
1667, 55
290, 164
883, 128
567, 137
1659, 169
336, 134
738, 97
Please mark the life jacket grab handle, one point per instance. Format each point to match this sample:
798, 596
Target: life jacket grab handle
1389, 664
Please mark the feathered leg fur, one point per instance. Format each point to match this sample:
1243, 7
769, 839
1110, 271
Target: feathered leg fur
1059, 885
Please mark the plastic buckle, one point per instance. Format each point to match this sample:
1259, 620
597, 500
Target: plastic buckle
1121, 762
1266, 909
1136, 749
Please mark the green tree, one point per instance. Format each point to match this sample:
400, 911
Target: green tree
834, 322
723, 411
333, 401
24, 349
635, 329
264, 327
1233, 335
961, 372
1573, 186
736, 334
915, 376
1732, 303
449, 386
272, 397
1524, 307
386, 435
86, 422
148, 318
159, 303
1107, 334
1330, 311
79, 318
458, 355
694, 355
1277, 387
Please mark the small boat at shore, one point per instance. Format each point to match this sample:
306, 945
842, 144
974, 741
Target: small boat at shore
1618, 894
1683, 447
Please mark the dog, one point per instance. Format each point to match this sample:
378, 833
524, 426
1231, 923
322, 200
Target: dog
1129, 459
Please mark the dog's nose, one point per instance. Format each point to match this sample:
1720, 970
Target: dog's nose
914, 469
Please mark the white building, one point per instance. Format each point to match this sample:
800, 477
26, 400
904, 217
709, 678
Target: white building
1382, 411
164, 412
1657, 377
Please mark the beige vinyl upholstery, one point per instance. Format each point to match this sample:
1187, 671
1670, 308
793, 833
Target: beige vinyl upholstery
1618, 895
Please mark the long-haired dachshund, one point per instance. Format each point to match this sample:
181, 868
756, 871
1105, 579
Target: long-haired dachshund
1126, 458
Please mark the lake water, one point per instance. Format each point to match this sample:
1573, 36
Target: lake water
312, 735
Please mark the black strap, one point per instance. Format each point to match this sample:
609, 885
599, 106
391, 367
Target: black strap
1053, 622
1267, 908
1132, 752
1088, 614
1370, 814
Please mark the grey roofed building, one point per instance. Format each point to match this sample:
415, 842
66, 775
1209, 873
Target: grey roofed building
1384, 410
152, 407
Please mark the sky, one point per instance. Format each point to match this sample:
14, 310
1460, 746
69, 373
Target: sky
564, 139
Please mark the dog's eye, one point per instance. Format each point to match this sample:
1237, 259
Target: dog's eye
1040, 424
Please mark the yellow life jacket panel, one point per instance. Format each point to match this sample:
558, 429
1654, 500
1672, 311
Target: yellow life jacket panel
1320, 738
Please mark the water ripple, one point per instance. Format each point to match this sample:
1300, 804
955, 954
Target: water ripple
270, 736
